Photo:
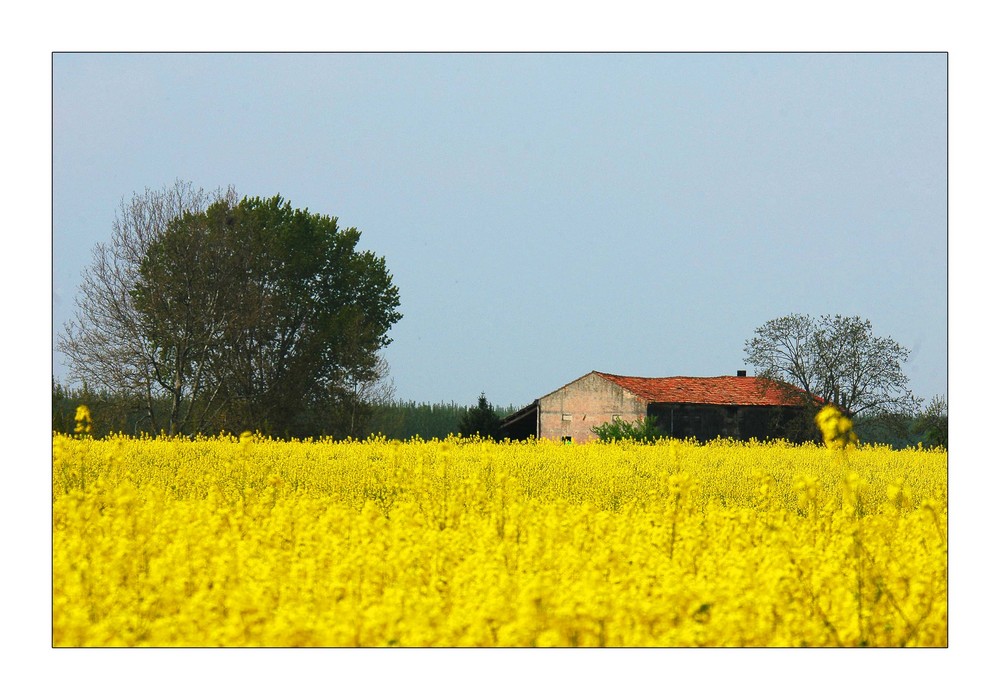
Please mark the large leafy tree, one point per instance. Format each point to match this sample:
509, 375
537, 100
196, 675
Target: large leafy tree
215, 313
834, 359
270, 312
108, 344
186, 296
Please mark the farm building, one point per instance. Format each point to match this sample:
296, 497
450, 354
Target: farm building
703, 408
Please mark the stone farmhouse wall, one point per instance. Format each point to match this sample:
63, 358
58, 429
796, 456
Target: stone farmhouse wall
575, 409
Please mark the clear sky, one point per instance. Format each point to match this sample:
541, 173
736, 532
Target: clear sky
544, 215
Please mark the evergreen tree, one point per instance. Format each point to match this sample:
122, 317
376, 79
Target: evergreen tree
481, 420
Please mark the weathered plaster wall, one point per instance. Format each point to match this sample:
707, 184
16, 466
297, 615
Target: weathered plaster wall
574, 410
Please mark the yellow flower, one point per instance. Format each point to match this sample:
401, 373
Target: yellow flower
836, 428
83, 423
679, 484
900, 495
807, 487
163, 542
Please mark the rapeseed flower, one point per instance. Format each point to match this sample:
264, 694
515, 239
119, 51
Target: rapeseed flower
256, 542
83, 421
836, 428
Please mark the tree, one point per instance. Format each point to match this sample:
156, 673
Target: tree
932, 423
284, 315
481, 420
363, 399
833, 359
244, 314
61, 410
186, 295
106, 343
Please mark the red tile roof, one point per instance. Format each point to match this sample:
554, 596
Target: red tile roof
729, 390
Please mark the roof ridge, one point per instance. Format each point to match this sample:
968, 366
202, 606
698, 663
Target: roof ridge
725, 389
681, 376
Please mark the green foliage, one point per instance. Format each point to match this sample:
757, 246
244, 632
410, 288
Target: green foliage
928, 427
932, 423
263, 317
402, 420
111, 413
481, 420
618, 430
209, 313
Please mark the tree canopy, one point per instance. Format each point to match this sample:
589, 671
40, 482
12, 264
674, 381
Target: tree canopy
932, 423
247, 314
481, 420
834, 359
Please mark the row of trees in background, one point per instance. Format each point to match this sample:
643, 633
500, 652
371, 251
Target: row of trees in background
213, 313
390, 418
928, 426
403, 420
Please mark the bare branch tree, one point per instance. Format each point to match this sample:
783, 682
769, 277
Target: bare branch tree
837, 359
783, 349
369, 391
104, 342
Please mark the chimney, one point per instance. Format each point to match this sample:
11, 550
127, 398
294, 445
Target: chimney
741, 373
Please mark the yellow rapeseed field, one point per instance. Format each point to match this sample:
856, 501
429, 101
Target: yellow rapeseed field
254, 542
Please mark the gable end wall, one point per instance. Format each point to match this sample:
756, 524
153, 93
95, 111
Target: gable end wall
589, 401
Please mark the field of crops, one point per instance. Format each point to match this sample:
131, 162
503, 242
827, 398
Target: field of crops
253, 542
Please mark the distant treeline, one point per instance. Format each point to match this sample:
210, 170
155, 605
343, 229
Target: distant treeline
395, 420
402, 420
901, 431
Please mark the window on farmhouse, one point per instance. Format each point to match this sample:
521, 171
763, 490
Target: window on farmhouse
567, 416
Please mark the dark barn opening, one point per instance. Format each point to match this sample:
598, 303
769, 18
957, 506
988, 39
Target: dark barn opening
707, 422
522, 424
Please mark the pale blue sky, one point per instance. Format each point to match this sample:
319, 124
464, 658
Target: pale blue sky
548, 214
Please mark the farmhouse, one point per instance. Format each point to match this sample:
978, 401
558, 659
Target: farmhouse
703, 408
